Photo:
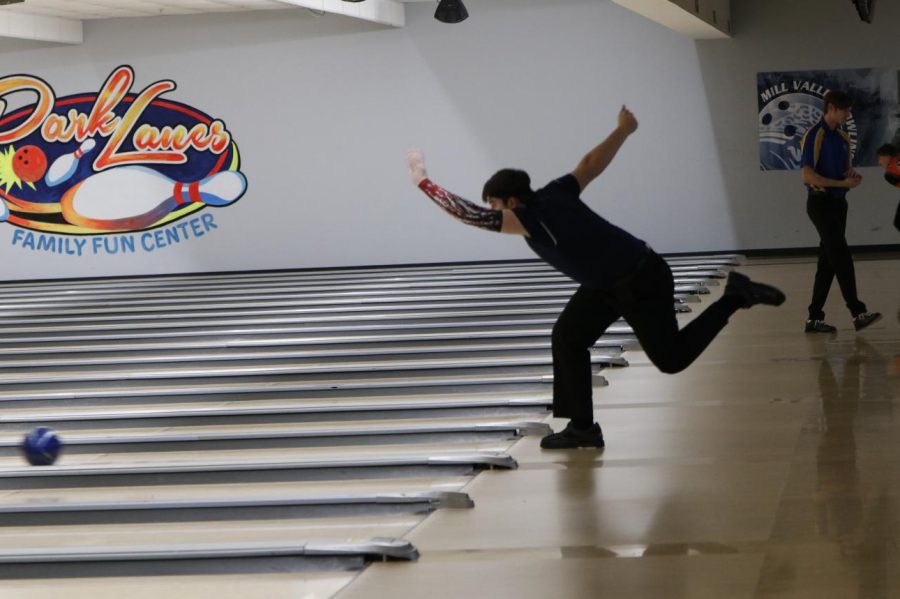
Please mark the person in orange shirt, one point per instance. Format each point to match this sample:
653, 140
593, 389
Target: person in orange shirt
889, 160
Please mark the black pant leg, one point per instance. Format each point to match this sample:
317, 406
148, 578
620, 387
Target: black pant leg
829, 215
584, 319
897, 219
648, 306
846, 273
821, 285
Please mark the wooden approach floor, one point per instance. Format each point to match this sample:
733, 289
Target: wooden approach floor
769, 469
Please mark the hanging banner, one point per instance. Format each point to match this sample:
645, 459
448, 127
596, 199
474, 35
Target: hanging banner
791, 102
113, 171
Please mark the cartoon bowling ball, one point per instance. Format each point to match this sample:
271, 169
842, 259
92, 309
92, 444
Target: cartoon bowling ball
29, 163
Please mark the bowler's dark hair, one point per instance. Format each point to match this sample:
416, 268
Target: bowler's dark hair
508, 183
838, 99
887, 150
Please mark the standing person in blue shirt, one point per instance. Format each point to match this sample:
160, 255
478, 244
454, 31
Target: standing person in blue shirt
828, 175
619, 275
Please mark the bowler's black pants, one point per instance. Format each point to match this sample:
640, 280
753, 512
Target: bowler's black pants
829, 215
645, 300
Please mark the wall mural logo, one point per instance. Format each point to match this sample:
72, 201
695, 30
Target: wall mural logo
791, 102
120, 170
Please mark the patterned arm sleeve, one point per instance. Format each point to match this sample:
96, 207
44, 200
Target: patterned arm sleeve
463, 210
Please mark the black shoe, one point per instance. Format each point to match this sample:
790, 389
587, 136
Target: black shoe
865, 319
819, 326
751, 292
572, 438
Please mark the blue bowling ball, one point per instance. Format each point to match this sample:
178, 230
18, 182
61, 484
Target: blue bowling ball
41, 446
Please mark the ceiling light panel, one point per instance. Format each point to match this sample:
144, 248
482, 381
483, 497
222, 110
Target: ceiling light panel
109, 9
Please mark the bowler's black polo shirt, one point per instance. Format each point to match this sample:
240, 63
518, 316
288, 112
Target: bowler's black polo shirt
575, 240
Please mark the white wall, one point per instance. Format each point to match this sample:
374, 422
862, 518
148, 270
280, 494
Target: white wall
323, 109
769, 208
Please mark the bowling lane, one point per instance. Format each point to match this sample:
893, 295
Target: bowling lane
285, 583
260, 336
523, 403
320, 387
299, 345
237, 491
128, 306
289, 288
26, 322
119, 369
291, 320
317, 359
226, 290
251, 466
226, 502
474, 271
14, 466
179, 536
234, 436
123, 300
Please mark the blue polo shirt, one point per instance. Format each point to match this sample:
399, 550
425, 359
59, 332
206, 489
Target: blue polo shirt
575, 240
826, 151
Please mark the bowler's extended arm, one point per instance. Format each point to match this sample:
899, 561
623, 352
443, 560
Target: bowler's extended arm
503, 221
596, 161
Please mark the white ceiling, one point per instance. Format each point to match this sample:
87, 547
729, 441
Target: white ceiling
61, 20
108, 9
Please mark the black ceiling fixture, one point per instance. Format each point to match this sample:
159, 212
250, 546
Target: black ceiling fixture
865, 8
451, 11
448, 11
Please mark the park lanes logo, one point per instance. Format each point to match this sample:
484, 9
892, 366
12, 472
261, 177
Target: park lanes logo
112, 172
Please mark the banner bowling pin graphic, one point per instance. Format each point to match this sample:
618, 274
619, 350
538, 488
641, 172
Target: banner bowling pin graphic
134, 197
65, 166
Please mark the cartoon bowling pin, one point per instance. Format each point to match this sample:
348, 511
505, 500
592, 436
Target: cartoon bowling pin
135, 197
64, 167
